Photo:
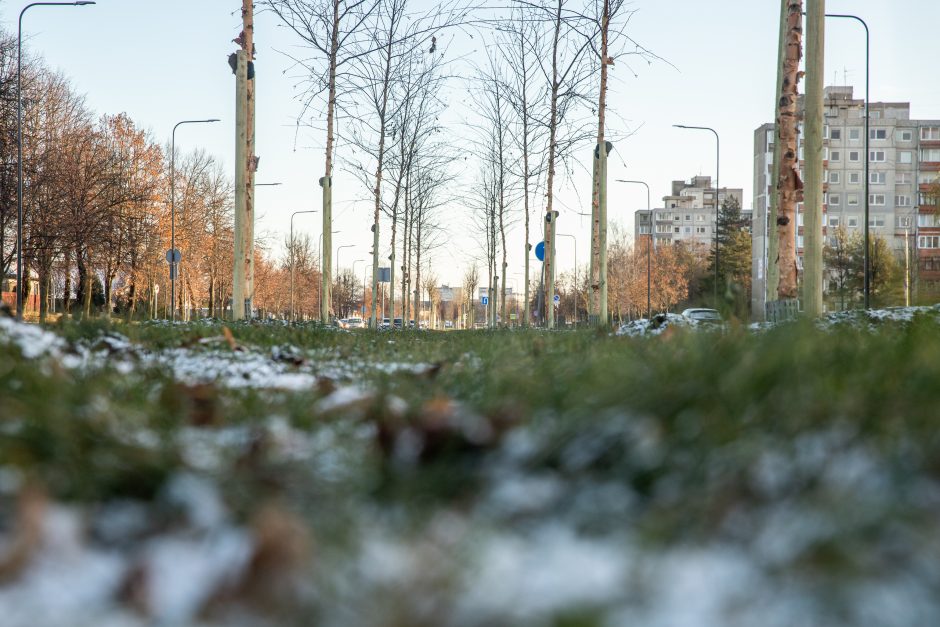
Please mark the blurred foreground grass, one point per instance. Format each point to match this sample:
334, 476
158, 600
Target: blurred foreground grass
694, 438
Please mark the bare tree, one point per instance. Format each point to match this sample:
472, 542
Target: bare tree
336, 31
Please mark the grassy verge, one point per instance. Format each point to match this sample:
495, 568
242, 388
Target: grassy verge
814, 452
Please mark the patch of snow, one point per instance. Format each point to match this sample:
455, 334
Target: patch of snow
32, 340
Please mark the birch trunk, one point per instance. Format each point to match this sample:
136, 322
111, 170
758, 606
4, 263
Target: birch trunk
789, 184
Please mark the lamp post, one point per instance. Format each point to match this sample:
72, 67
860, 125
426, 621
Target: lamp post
867, 261
363, 280
19, 146
173, 260
575, 240
649, 264
717, 189
320, 253
292, 259
339, 248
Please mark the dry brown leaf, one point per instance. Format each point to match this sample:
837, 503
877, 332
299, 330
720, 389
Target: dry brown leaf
27, 532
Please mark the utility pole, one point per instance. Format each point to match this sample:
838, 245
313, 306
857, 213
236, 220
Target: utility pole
772, 271
246, 164
240, 272
813, 153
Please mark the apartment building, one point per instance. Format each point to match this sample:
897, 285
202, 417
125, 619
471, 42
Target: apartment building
687, 214
904, 159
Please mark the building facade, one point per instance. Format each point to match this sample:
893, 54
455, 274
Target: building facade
904, 161
687, 214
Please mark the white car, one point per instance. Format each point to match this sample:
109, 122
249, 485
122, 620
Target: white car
355, 323
702, 316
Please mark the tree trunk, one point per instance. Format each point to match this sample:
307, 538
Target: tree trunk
326, 270
45, 273
772, 272
599, 197
550, 182
789, 184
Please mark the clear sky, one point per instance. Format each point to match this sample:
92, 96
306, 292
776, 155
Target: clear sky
162, 61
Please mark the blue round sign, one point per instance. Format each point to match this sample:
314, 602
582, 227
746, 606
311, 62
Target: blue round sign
540, 251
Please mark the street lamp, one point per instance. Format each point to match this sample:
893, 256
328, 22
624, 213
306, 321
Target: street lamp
172, 257
320, 254
867, 261
292, 259
363, 280
337, 257
19, 146
717, 190
575, 240
649, 264
339, 248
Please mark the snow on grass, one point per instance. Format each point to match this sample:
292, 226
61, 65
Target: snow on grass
32, 341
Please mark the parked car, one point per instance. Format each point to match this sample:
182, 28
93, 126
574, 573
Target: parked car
341, 323
702, 316
397, 323
355, 323
448, 324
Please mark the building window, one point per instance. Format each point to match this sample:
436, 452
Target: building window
930, 154
700, 218
928, 241
853, 200
878, 133
833, 221
700, 229
904, 222
903, 201
855, 178
663, 228
877, 200
877, 178
835, 133
835, 156
676, 230
835, 200
644, 230
878, 221
930, 133
876, 155
904, 136
902, 178
835, 178
926, 219
853, 222
854, 155
905, 156
688, 230
799, 241
855, 134
677, 217
688, 217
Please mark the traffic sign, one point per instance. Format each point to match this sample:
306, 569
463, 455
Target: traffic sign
173, 255
556, 299
485, 300
540, 251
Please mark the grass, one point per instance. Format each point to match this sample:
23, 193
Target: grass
704, 436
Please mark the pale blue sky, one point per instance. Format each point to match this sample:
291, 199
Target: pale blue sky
165, 60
